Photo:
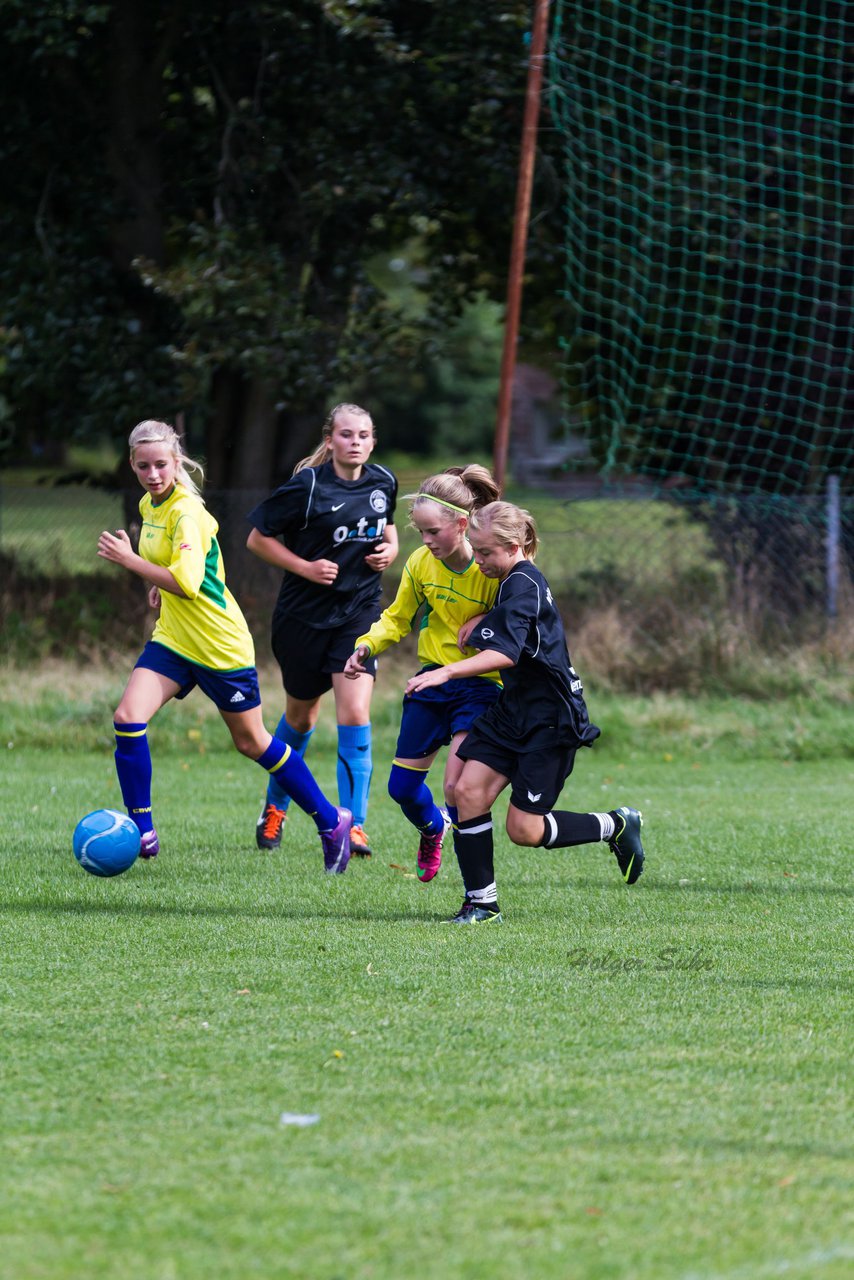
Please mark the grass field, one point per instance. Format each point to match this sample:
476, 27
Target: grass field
646, 1082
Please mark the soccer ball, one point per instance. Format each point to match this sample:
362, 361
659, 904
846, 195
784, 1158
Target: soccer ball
106, 842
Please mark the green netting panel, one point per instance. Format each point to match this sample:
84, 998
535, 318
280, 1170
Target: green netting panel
709, 151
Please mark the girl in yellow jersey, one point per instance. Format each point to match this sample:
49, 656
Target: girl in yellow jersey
442, 582
200, 638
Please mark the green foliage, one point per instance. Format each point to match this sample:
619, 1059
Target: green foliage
171, 223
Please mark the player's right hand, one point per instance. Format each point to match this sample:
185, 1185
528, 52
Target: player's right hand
353, 667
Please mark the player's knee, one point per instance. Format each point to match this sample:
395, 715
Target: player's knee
247, 744
470, 798
524, 828
403, 784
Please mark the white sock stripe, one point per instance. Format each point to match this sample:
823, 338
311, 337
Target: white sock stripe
551, 830
483, 897
474, 831
607, 826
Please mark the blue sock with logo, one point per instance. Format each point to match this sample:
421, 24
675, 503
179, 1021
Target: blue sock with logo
291, 770
133, 766
355, 766
408, 787
297, 742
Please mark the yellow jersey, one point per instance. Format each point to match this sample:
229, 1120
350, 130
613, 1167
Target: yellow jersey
450, 598
207, 627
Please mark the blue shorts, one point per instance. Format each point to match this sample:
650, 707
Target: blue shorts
432, 716
227, 690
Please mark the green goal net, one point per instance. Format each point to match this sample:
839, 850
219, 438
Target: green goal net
709, 196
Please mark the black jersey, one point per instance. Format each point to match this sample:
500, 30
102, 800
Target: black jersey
319, 516
542, 703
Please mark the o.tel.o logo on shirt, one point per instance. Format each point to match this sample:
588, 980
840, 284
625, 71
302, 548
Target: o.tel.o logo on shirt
378, 500
486, 633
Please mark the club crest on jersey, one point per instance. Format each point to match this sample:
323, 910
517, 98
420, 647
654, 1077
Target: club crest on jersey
378, 500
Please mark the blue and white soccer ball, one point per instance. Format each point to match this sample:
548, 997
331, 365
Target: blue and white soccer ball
106, 842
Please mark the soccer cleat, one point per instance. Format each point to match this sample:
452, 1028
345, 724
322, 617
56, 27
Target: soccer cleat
625, 843
149, 845
359, 844
268, 828
473, 913
336, 844
429, 858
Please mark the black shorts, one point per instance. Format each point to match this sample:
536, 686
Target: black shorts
310, 656
536, 777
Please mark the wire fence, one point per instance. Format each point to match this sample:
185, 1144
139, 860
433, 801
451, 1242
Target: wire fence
792, 557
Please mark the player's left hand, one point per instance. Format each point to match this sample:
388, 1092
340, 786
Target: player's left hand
116, 547
427, 679
380, 559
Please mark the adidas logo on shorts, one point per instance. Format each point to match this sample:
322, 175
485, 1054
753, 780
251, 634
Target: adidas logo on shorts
237, 697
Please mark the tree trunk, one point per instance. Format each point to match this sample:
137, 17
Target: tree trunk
140, 46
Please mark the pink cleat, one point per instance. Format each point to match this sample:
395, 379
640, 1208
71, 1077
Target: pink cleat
429, 858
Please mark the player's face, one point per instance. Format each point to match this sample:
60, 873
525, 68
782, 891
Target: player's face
154, 466
494, 559
441, 536
352, 439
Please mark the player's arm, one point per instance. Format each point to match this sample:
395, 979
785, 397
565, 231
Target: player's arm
392, 625
274, 552
117, 547
480, 664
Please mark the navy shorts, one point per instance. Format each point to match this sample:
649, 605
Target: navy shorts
227, 690
432, 716
310, 656
536, 777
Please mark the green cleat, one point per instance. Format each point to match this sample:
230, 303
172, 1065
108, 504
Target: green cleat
625, 843
472, 913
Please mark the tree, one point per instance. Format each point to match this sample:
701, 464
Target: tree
201, 188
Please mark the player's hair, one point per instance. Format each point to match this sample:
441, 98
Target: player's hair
508, 525
457, 490
151, 431
321, 453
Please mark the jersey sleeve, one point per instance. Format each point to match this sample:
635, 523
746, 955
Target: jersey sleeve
507, 626
395, 622
189, 555
287, 509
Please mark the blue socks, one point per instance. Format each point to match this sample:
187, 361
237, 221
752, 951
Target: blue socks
409, 789
133, 766
297, 743
355, 767
293, 774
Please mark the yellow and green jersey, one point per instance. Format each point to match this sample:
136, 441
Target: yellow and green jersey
208, 627
450, 599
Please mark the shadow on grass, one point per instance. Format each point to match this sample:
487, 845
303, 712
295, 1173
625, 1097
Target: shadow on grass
300, 911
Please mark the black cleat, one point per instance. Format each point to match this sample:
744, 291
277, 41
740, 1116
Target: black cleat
625, 843
474, 913
268, 828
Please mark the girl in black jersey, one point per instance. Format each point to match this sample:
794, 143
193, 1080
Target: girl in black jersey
331, 529
529, 737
